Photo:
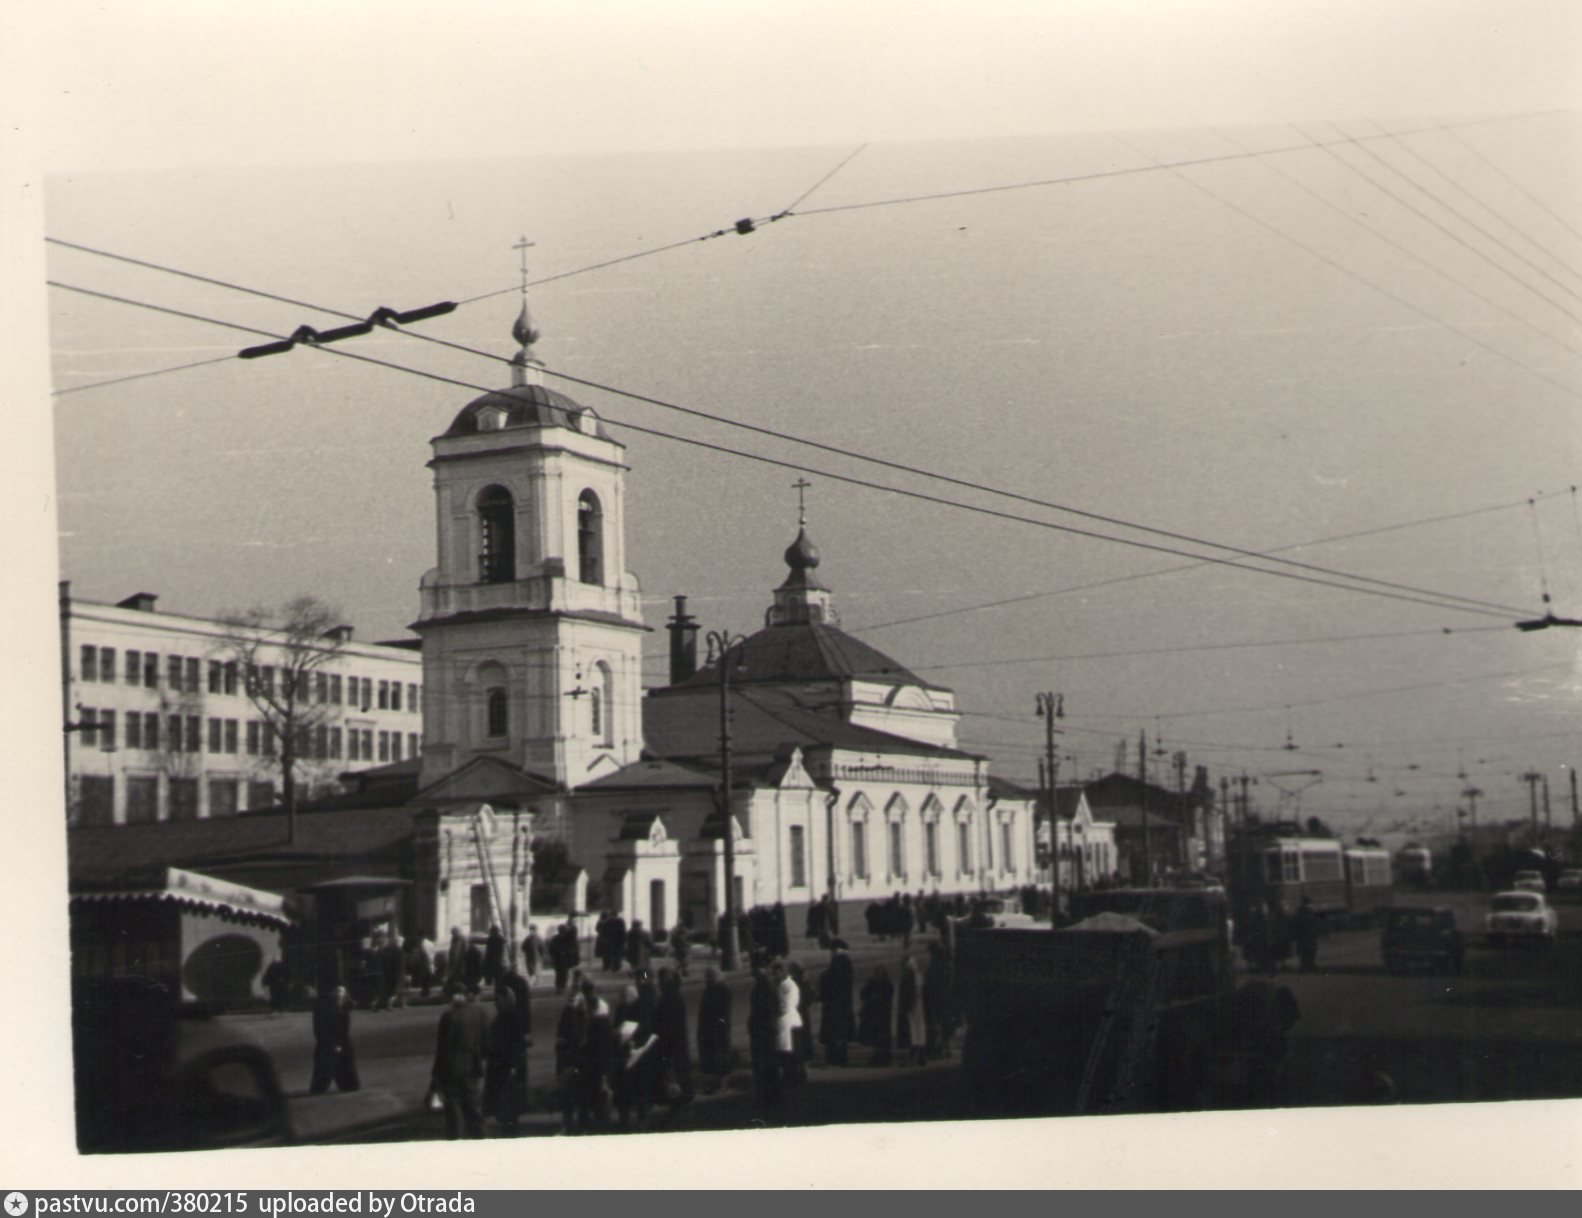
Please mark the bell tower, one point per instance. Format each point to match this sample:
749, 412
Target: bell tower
531, 624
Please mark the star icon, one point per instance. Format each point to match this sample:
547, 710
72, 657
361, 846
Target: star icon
16, 1204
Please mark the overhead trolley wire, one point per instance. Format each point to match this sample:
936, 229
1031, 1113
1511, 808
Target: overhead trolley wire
1405, 249
1536, 201
1121, 579
917, 470
1486, 206
802, 467
1449, 232
1345, 270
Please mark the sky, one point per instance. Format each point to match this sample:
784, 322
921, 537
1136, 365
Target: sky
1351, 307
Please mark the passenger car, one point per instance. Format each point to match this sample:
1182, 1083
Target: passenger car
1521, 916
1570, 880
1416, 934
1529, 881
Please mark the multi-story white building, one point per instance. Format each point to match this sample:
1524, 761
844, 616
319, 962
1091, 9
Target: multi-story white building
159, 726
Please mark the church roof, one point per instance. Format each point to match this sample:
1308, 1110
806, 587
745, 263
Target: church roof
809, 651
765, 721
524, 406
650, 774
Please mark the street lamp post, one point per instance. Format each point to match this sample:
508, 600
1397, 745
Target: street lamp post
720, 642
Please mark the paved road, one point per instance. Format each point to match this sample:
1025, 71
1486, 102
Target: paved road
1509, 1027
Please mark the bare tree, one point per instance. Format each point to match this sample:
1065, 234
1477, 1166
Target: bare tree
277, 654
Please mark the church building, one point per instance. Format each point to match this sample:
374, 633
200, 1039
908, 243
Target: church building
846, 778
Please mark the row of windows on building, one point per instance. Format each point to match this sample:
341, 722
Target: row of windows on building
186, 734
96, 798
183, 674
897, 844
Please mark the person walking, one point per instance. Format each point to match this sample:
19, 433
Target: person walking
675, 1052
456, 958
714, 1029
1304, 929
617, 944
788, 1019
333, 1058
596, 1062
459, 1054
680, 947
836, 1025
910, 1031
571, 1033
505, 1064
493, 955
762, 1002
277, 980
639, 947
878, 1009
564, 954
532, 954
420, 964
802, 1037
392, 973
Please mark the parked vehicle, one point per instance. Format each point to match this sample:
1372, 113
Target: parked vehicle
1420, 935
152, 1075
1570, 880
1529, 881
1524, 917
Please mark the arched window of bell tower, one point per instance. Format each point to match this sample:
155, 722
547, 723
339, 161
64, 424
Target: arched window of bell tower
603, 693
590, 539
496, 535
492, 679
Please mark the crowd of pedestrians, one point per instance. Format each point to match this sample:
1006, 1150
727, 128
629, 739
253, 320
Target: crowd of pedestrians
626, 1053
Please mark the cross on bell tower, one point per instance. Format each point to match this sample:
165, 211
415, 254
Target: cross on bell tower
801, 600
524, 364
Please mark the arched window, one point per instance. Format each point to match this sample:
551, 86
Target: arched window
596, 719
496, 535
603, 704
499, 713
590, 539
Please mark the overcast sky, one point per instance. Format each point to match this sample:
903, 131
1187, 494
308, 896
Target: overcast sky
1220, 351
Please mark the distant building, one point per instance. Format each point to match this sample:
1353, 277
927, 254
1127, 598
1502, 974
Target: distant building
159, 727
1084, 844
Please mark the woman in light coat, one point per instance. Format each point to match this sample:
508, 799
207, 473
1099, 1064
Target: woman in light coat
788, 1019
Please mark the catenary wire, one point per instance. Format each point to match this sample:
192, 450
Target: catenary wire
1345, 270
1539, 203
804, 468
1121, 579
883, 462
1380, 234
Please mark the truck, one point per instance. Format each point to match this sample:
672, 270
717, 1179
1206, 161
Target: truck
1134, 1007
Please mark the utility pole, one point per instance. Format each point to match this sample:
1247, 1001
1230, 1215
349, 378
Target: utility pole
721, 643
1179, 759
1549, 824
1223, 811
1050, 707
1576, 819
1532, 779
1142, 777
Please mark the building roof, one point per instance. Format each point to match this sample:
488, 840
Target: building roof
653, 774
1131, 819
524, 406
802, 652
1067, 798
764, 722
186, 889
103, 854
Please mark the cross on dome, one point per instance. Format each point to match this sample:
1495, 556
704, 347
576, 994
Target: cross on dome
525, 331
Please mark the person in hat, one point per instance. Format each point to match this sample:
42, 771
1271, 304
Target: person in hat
836, 1024
459, 1054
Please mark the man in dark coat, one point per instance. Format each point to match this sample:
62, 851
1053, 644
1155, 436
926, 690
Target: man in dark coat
675, 1052
277, 980
333, 1059
1304, 929
494, 955
762, 1012
459, 1055
617, 944
596, 1063
639, 947
878, 1008
780, 935
472, 968
680, 947
505, 1066
564, 954
532, 953
836, 1025
714, 1028
392, 973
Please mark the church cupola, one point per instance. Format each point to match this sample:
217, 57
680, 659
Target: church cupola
801, 600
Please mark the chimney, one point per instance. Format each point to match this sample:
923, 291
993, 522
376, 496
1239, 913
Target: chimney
143, 602
683, 643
